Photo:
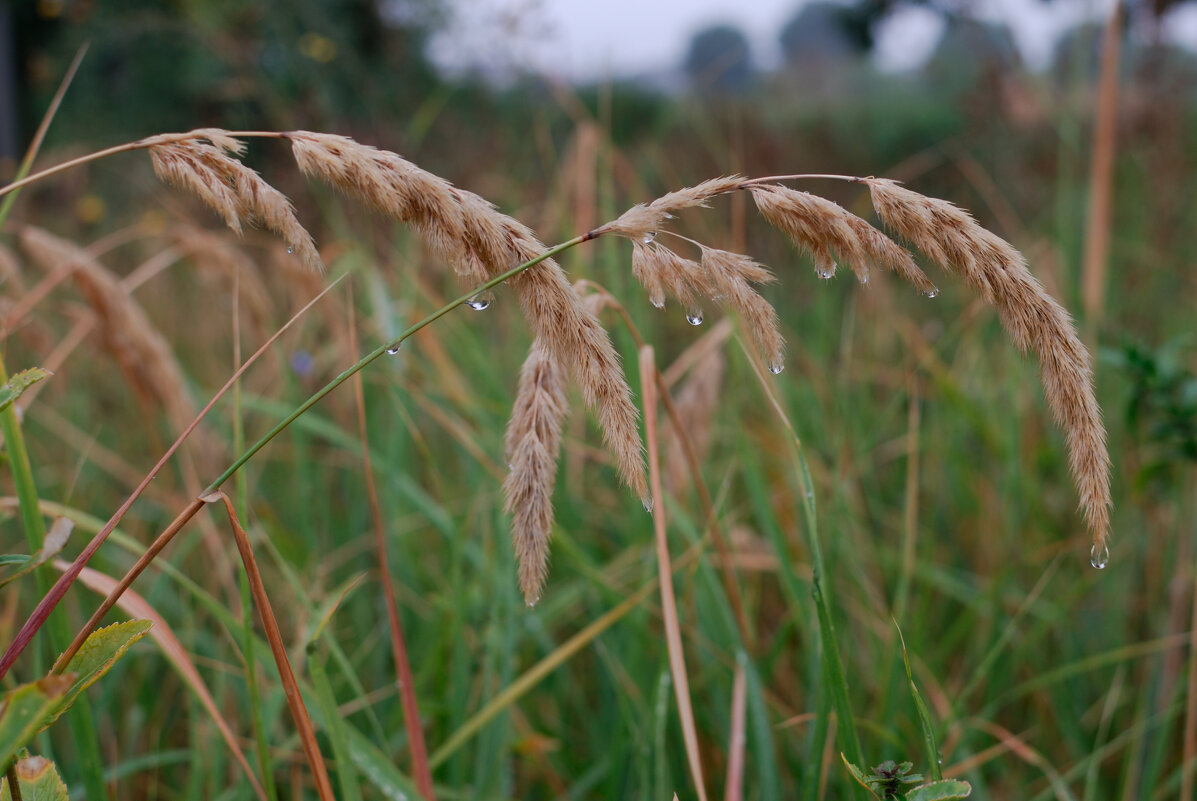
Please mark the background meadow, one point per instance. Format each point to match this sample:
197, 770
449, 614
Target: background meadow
940, 483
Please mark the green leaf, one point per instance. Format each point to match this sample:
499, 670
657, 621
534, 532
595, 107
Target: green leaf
12, 389
944, 790
26, 710
55, 541
97, 656
859, 775
39, 781
924, 716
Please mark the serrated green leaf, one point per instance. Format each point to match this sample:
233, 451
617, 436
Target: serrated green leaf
13, 387
943, 790
859, 775
26, 710
97, 656
39, 781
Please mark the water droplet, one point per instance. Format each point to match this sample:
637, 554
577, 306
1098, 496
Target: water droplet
863, 278
649, 238
776, 367
657, 299
532, 602
931, 293
481, 301
290, 250
1099, 556
826, 271
647, 500
694, 317
393, 349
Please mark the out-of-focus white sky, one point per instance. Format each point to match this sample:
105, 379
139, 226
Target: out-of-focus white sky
584, 40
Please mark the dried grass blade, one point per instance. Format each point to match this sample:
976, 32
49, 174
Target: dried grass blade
673, 634
737, 740
176, 654
299, 712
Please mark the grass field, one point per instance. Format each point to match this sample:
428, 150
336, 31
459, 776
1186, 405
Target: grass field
922, 472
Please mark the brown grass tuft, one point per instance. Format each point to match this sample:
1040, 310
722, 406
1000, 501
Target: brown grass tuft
533, 441
1034, 320
200, 162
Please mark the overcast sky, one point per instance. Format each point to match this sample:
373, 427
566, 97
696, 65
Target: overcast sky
582, 40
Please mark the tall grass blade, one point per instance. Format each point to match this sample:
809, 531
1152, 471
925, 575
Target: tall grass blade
673, 635
933, 760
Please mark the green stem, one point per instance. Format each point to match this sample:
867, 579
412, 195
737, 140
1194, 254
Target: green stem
80, 719
390, 347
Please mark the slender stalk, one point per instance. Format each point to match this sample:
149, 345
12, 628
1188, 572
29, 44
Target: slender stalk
241, 492
391, 347
14, 786
299, 712
673, 636
140, 144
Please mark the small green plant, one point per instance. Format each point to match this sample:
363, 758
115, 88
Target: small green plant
894, 781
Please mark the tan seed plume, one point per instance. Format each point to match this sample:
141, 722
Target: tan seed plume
642, 221
200, 163
828, 231
533, 441
1034, 320
481, 243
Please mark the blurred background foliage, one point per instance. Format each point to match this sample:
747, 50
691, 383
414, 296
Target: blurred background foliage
1086, 687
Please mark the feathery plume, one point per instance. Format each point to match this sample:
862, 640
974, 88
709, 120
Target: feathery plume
730, 276
533, 441
200, 162
953, 239
641, 222
826, 230
481, 243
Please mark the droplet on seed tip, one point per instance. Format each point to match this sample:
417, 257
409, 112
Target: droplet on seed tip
931, 293
826, 271
481, 301
649, 238
1099, 556
647, 500
776, 367
290, 250
694, 317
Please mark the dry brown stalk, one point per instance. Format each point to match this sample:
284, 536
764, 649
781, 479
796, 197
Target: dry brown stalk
481, 243
1034, 320
201, 162
697, 400
533, 441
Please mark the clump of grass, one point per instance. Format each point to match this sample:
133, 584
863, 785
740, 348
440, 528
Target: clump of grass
483, 245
